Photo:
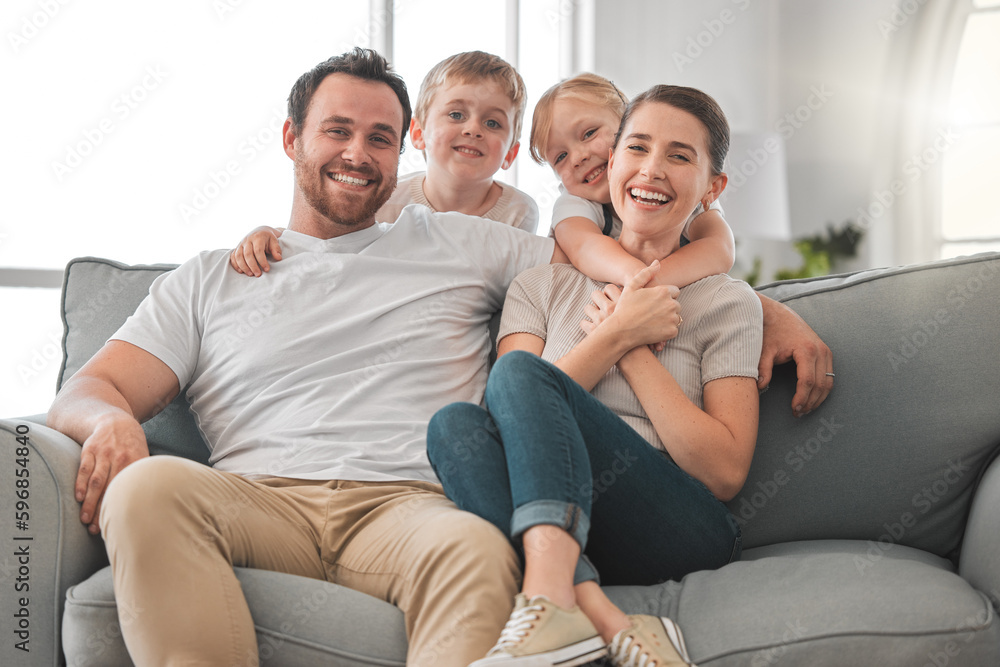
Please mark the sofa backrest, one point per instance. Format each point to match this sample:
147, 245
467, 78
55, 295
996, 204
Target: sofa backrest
894, 454
98, 296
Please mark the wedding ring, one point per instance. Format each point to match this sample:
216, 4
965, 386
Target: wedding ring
833, 375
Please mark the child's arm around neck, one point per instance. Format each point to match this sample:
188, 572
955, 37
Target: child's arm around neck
711, 250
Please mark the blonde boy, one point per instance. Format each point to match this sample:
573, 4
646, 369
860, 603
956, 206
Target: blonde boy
467, 123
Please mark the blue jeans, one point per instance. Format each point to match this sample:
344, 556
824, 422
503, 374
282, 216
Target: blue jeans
545, 451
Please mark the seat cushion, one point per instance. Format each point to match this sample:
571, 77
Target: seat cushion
820, 603
827, 603
299, 621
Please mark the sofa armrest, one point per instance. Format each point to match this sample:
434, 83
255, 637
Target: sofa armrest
979, 563
45, 547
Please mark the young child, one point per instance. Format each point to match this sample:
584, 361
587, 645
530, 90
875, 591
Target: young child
572, 131
467, 123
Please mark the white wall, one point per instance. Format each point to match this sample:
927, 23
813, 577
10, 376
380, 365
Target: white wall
766, 61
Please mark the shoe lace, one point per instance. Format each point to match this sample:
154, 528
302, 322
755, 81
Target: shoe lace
517, 627
625, 651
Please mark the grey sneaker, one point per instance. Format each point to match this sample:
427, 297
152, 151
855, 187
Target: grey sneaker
650, 642
540, 634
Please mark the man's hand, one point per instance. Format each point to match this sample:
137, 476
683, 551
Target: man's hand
101, 408
787, 337
114, 444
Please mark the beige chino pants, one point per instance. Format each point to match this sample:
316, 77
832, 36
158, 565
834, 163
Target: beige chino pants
174, 530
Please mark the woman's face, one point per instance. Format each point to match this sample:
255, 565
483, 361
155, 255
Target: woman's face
661, 169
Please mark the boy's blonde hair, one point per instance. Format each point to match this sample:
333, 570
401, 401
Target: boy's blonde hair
473, 67
587, 87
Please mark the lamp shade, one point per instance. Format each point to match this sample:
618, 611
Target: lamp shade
756, 199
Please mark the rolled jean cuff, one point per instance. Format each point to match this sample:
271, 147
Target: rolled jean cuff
585, 571
567, 516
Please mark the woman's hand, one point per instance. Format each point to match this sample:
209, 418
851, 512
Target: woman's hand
602, 306
648, 315
250, 256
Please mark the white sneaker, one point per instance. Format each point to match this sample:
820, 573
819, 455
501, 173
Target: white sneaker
541, 634
650, 642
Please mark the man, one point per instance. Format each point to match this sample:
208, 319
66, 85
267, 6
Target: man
369, 329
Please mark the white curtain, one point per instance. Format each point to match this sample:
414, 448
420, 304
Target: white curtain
915, 129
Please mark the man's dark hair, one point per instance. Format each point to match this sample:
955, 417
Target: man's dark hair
364, 64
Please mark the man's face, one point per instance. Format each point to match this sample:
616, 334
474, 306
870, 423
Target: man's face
346, 155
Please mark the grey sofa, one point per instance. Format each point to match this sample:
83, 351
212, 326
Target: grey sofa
871, 528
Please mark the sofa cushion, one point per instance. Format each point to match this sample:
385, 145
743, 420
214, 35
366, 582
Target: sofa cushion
98, 296
894, 453
822, 603
796, 604
299, 621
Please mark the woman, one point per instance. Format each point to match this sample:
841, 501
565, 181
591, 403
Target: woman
628, 481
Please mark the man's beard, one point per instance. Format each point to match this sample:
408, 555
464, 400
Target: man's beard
352, 211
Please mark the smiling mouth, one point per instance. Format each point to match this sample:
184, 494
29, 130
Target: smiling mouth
595, 174
649, 198
468, 151
350, 180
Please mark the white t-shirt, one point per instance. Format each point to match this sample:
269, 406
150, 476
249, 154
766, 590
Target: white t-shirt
571, 206
330, 365
514, 207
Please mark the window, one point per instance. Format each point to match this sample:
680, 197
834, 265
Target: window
970, 212
146, 132
142, 132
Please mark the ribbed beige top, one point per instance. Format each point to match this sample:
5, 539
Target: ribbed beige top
720, 337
